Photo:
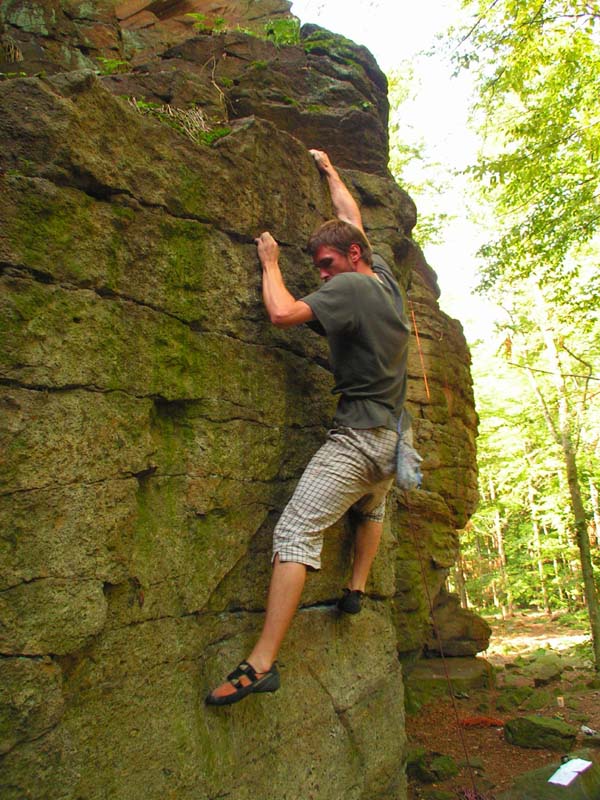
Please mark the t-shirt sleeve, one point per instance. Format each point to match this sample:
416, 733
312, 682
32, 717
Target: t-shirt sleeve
333, 305
381, 266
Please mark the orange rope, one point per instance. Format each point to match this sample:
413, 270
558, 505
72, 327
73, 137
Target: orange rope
419, 348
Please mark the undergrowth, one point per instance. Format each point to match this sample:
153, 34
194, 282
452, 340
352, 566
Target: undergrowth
281, 32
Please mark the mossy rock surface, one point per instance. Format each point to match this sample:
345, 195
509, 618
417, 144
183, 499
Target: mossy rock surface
512, 697
540, 732
431, 767
534, 785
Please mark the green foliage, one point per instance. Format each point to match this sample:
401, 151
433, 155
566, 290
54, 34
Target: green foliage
335, 46
199, 20
212, 136
536, 66
544, 357
203, 25
573, 619
245, 31
145, 106
285, 31
5, 76
112, 66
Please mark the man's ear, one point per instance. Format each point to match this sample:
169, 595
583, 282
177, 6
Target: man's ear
354, 253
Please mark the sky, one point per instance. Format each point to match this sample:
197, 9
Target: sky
396, 32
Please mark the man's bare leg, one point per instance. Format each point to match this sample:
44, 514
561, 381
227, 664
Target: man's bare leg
366, 544
285, 590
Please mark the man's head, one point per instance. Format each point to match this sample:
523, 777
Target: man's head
338, 246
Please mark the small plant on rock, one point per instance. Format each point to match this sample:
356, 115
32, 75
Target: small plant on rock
9, 50
202, 24
283, 31
112, 66
190, 122
198, 20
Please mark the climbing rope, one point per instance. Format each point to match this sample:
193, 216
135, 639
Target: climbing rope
420, 349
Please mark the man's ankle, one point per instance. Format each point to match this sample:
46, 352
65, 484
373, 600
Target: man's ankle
356, 587
259, 663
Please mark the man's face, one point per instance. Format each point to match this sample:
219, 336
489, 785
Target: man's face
331, 262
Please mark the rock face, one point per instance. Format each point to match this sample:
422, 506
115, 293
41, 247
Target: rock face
456, 631
153, 424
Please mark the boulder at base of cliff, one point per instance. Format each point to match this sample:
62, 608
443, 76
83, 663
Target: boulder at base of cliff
430, 767
430, 677
540, 732
534, 785
456, 631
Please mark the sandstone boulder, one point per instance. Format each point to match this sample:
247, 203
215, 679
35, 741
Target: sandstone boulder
153, 423
456, 631
534, 785
540, 732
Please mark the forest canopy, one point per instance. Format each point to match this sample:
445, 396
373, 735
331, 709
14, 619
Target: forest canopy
536, 537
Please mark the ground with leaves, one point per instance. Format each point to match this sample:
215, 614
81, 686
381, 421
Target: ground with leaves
516, 647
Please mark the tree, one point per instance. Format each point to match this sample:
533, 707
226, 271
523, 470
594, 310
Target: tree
537, 64
539, 446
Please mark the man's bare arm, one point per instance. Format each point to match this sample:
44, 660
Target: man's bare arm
344, 204
284, 311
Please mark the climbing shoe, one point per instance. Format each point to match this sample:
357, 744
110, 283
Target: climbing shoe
350, 601
244, 680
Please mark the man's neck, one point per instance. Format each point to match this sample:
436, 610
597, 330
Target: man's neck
365, 269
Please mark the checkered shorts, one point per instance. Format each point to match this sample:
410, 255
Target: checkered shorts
353, 469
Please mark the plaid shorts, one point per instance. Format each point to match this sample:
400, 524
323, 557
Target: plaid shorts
353, 470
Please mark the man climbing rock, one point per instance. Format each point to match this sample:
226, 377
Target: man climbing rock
360, 309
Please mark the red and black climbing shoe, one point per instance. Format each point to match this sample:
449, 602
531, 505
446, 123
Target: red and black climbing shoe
244, 680
350, 601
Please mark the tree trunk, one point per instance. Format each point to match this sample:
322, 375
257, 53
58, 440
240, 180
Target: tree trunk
459, 577
506, 595
537, 542
495, 597
558, 581
565, 441
595, 511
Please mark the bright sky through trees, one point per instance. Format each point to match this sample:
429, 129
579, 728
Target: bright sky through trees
398, 33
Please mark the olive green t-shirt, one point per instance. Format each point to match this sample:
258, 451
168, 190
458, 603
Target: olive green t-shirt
365, 322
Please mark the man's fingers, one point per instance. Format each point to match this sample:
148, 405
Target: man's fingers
268, 250
321, 160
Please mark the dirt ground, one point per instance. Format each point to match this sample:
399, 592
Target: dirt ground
494, 762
